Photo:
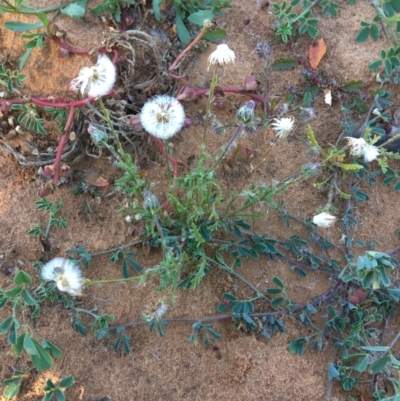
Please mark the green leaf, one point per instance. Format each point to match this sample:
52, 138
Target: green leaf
353, 86
12, 335
277, 281
29, 345
5, 324
54, 350
75, 10
183, 33
49, 385
22, 278
11, 390
333, 373
283, 64
297, 346
17, 347
379, 364
60, 396
48, 397
363, 34
275, 302
156, 9
42, 360
13, 292
67, 381
24, 58
375, 65
28, 298
199, 17
374, 32
228, 296
362, 364
22, 26
216, 35
273, 291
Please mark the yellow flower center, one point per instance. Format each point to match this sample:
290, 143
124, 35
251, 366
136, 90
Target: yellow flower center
162, 117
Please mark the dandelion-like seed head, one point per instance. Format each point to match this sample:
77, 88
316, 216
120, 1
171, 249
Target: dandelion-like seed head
356, 145
360, 148
97, 80
162, 116
283, 126
324, 220
221, 56
371, 152
65, 273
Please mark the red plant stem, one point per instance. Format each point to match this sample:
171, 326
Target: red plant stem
180, 57
61, 144
175, 162
76, 103
69, 48
116, 56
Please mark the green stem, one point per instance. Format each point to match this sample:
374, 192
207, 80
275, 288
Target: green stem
88, 312
394, 340
240, 126
115, 280
209, 100
315, 2
116, 249
167, 163
46, 234
237, 275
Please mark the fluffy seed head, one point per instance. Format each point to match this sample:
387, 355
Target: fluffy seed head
98, 80
360, 148
162, 116
283, 126
221, 56
66, 274
324, 220
371, 152
356, 145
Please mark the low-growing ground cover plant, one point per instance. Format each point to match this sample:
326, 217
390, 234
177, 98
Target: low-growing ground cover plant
197, 224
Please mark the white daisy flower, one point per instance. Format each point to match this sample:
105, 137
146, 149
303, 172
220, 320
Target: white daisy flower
98, 80
221, 56
65, 273
162, 116
283, 126
324, 220
370, 153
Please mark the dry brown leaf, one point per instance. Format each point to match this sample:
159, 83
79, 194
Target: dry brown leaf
101, 182
316, 52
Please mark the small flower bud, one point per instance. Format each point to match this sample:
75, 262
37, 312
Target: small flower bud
250, 84
135, 122
99, 138
150, 200
246, 113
